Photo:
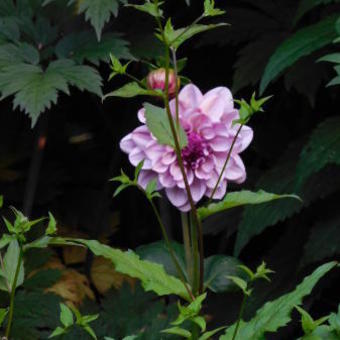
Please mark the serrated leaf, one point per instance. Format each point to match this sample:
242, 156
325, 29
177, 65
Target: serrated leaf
240, 198
98, 12
11, 259
210, 10
150, 8
130, 90
322, 149
152, 275
176, 37
217, 269
276, 314
158, 123
11, 54
82, 46
66, 316
302, 43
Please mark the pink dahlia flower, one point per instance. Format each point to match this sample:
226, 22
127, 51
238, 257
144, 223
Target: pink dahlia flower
207, 120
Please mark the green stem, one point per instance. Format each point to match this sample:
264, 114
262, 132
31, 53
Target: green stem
195, 255
225, 164
174, 61
12, 296
198, 222
187, 245
240, 316
172, 253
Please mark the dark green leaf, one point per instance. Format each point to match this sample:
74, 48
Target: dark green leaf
150, 8
302, 43
130, 90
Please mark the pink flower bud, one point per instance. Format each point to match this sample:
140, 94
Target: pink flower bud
156, 80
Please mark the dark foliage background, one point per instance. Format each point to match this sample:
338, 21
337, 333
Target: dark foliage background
82, 154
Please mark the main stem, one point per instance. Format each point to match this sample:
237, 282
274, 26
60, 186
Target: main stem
198, 222
12, 296
172, 254
240, 316
187, 245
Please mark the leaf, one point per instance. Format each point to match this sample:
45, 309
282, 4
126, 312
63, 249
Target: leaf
9, 28
57, 332
323, 241
11, 259
1, 201
98, 12
178, 331
209, 334
177, 37
217, 269
240, 283
130, 90
3, 313
240, 198
35, 90
307, 5
152, 275
302, 43
210, 10
13, 54
150, 8
322, 149
158, 123
66, 316
276, 314
81, 46
52, 225
6, 239
158, 252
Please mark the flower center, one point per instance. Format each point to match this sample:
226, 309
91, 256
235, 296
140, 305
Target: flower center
195, 151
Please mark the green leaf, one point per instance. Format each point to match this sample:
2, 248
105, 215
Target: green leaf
57, 332
9, 28
307, 321
323, 241
177, 37
6, 239
52, 225
158, 252
178, 331
240, 283
322, 149
152, 275
210, 10
13, 54
331, 58
158, 123
130, 90
150, 8
35, 90
1, 201
217, 269
98, 12
276, 314
209, 334
307, 5
81, 46
66, 316
240, 198
11, 259
302, 43
3, 313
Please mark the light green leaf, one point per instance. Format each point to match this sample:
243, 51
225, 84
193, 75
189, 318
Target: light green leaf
302, 43
210, 10
177, 37
178, 331
276, 314
322, 149
158, 123
66, 316
90, 331
5, 240
52, 225
11, 259
331, 58
1, 201
57, 332
3, 313
130, 90
200, 321
150, 8
307, 321
152, 275
240, 283
240, 198
217, 268
209, 334
98, 12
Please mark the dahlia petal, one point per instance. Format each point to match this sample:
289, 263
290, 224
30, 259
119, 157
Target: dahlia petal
136, 156
166, 180
141, 136
169, 158
198, 189
175, 171
236, 170
220, 144
145, 177
190, 96
185, 208
127, 144
141, 115
220, 192
246, 136
177, 196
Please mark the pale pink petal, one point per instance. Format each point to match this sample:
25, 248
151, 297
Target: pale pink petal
185, 207
198, 189
136, 156
141, 115
220, 192
190, 96
220, 144
166, 180
146, 176
246, 135
127, 144
236, 170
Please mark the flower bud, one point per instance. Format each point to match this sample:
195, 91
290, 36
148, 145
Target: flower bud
156, 80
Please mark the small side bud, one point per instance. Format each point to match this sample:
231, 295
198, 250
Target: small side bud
156, 80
